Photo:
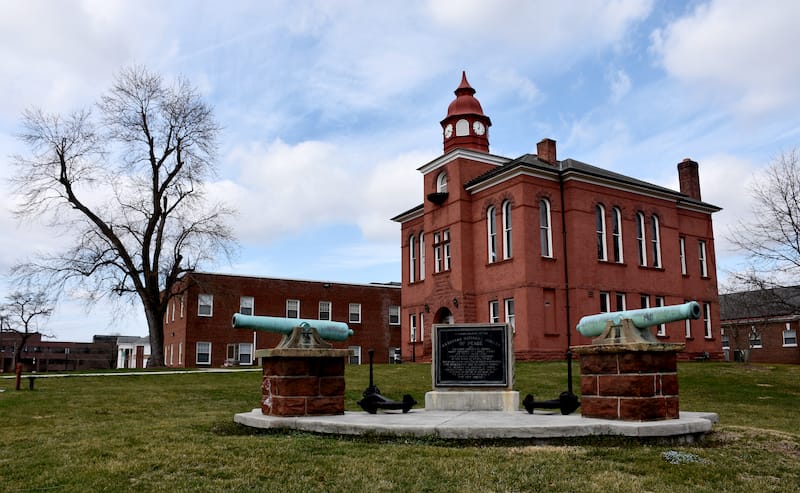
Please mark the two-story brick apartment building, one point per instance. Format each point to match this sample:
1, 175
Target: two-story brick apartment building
541, 242
198, 332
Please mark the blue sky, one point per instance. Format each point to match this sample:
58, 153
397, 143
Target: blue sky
329, 107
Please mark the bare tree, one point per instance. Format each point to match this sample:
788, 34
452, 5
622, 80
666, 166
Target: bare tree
21, 315
772, 237
128, 186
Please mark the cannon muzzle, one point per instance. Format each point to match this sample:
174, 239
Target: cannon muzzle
332, 331
594, 325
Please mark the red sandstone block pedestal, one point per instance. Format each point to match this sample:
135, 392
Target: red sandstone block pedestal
629, 382
302, 382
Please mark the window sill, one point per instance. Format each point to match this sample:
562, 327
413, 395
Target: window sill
499, 262
650, 267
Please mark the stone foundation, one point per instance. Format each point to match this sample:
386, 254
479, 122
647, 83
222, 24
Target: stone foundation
629, 382
302, 382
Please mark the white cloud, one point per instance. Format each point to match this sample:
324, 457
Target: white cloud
620, 84
734, 52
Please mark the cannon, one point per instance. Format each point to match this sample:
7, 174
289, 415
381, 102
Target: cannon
631, 326
297, 332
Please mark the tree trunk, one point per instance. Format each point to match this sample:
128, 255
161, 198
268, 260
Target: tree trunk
155, 325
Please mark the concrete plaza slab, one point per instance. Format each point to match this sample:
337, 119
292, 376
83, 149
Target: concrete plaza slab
463, 425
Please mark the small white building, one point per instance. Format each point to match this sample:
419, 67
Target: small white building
132, 351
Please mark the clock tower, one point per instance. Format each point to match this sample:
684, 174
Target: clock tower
465, 125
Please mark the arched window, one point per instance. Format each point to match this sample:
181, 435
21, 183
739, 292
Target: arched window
655, 240
491, 233
412, 258
600, 226
641, 240
507, 251
616, 234
422, 256
545, 232
441, 182
462, 128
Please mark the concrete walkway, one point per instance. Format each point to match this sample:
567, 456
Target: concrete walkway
488, 424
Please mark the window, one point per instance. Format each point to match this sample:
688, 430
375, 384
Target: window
621, 305
324, 310
688, 328
662, 328
394, 315
441, 251
755, 338
789, 336
355, 313
292, 308
641, 241
655, 240
507, 250
726, 342
203, 356
703, 264
509, 306
246, 305
246, 353
441, 182
205, 305
682, 245
355, 355
421, 326
605, 302
491, 234
707, 320
644, 301
412, 325
446, 246
545, 232
600, 226
166, 315
616, 234
421, 257
462, 128
172, 319
183, 296
494, 311
412, 258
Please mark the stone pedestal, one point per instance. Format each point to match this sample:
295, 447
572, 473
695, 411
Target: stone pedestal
479, 400
629, 382
302, 382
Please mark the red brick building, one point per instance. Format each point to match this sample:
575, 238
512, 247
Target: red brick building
761, 326
540, 242
198, 332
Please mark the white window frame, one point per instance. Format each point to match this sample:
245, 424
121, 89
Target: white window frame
508, 250
605, 299
446, 245
197, 353
600, 229
354, 313
421, 326
754, 338
655, 241
726, 340
354, 358
248, 346
325, 307
183, 299
688, 328
703, 262
494, 312
662, 328
412, 259
412, 327
510, 316
289, 304
491, 234
616, 235
437, 252
682, 244
172, 318
394, 315
792, 334
441, 183
545, 229
707, 320
621, 302
205, 300
422, 256
245, 303
641, 239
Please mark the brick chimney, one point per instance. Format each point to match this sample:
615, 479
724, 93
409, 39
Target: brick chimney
546, 151
689, 178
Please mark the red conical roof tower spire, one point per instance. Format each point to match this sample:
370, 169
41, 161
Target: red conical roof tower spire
465, 125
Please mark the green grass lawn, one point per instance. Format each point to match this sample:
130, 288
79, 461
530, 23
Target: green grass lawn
176, 433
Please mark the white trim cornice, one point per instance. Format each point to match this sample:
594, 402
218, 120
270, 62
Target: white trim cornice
462, 153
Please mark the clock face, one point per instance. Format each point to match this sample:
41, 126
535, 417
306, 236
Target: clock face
478, 128
448, 131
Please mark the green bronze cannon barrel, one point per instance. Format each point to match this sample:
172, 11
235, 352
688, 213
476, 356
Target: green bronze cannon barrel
594, 325
332, 331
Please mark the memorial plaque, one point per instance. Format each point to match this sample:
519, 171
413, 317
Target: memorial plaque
471, 356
